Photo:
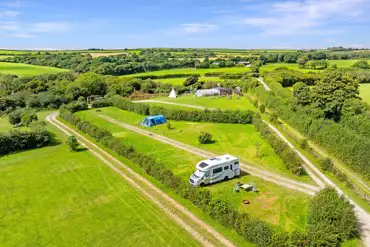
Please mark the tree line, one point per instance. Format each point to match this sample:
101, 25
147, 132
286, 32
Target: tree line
332, 114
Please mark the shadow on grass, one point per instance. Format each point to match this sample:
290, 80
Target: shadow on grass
81, 149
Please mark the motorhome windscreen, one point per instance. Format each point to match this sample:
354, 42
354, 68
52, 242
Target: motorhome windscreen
202, 165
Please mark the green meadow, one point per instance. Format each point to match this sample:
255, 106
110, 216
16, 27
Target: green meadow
365, 92
53, 197
224, 102
27, 69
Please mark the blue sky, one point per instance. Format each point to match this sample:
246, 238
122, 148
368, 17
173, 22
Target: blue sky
67, 24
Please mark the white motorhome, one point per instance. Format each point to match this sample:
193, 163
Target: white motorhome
215, 169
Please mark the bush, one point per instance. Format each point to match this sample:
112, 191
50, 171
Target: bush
326, 164
76, 106
28, 116
262, 108
15, 117
72, 143
205, 138
16, 141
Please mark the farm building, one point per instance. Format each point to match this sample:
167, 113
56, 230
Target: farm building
213, 91
207, 92
153, 121
245, 63
93, 98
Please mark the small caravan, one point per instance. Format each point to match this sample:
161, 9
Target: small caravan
215, 169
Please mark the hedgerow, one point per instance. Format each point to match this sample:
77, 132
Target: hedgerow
14, 141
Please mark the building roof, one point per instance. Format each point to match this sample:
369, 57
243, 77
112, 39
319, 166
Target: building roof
204, 164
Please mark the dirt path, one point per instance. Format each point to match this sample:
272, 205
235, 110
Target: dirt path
197, 229
260, 80
266, 175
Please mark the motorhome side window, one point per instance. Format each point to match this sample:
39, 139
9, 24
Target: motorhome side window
226, 167
217, 170
236, 163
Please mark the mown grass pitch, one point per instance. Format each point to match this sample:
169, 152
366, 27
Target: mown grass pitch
27, 69
54, 197
365, 92
223, 102
277, 205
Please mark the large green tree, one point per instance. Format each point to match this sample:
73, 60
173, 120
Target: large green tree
331, 219
333, 90
91, 84
301, 94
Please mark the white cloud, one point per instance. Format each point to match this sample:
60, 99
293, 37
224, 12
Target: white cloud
291, 17
9, 13
197, 27
10, 26
21, 35
50, 27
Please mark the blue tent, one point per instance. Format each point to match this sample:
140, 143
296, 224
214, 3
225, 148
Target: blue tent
153, 121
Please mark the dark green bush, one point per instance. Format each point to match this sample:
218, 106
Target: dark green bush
205, 138
14, 141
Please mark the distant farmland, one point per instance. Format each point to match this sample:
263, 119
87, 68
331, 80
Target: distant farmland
27, 69
193, 71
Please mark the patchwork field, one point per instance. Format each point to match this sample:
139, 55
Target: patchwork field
192, 71
54, 197
277, 205
211, 102
180, 81
365, 92
27, 69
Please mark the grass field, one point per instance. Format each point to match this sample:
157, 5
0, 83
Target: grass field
180, 81
54, 197
365, 92
211, 102
292, 66
238, 140
192, 71
27, 69
277, 205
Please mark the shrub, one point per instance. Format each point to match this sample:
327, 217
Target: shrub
262, 108
15, 117
205, 138
72, 143
16, 140
304, 144
28, 116
326, 164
